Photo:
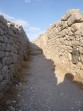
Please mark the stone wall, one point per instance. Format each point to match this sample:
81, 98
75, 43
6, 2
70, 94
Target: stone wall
14, 46
63, 43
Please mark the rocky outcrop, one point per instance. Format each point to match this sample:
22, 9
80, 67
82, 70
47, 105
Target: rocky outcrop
14, 46
63, 43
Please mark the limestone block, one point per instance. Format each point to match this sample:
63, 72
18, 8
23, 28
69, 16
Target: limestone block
0, 65
52, 26
13, 45
1, 78
2, 85
11, 40
80, 66
13, 28
7, 53
81, 50
12, 70
10, 60
7, 61
58, 24
15, 58
67, 43
1, 38
5, 71
5, 39
75, 56
65, 17
78, 32
8, 24
81, 58
2, 54
11, 32
75, 43
77, 36
8, 47
63, 25
76, 26
73, 11
1, 31
69, 57
70, 33
69, 13
13, 49
81, 43
3, 47
75, 18
62, 33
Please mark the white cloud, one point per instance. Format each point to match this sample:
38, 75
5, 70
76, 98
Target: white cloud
31, 31
13, 19
27, 1
7, 16
21, 22
34, 29
33, 36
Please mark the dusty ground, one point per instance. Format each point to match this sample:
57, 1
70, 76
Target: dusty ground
40, 92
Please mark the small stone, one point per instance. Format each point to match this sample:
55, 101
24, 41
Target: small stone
8, 102
2, 54
19, 110
11, 108
20, 84
31, 88
61, 94
0, 65
13, 101
81, 50
72, 108
1, 78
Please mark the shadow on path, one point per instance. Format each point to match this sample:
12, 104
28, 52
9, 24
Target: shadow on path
40, 92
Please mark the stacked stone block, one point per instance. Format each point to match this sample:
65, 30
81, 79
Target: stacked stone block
14, 45
63, 43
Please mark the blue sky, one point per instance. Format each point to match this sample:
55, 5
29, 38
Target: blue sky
37, 15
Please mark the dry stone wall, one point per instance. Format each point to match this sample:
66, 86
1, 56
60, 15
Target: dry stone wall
14, 46
63, 43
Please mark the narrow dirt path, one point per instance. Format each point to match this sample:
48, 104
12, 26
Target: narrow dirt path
40, 92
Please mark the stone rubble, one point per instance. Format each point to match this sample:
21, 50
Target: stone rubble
63, 43
14, 45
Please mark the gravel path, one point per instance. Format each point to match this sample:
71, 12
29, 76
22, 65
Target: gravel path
40, 92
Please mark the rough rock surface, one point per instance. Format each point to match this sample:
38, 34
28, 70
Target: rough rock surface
14, 45
63, 43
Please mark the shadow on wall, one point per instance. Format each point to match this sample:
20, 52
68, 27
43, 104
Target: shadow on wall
75, 79
44, 80
75, 58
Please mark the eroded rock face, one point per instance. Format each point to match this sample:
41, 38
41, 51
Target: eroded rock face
63, 43
14, 44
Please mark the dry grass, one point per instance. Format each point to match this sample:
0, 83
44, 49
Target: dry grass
20, 75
